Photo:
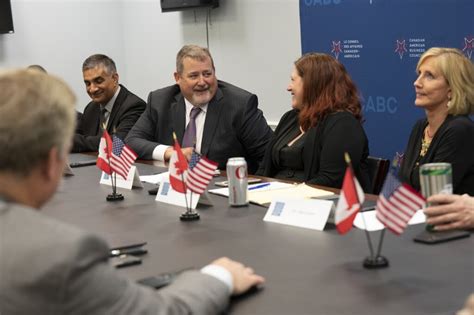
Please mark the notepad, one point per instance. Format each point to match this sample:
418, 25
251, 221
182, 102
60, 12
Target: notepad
265, 194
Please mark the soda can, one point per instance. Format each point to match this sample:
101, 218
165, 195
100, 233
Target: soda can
237, 178
435, 178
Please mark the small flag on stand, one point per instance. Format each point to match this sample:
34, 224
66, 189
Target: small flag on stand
178, 166
105, 152
200, 173
350, 201
397, 204
122, 157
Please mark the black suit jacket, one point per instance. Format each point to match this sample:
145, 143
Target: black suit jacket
234, 125
126, 110
453, 143
323, 149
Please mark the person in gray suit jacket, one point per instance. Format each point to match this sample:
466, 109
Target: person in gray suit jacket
49, 267
228, 122
113, 107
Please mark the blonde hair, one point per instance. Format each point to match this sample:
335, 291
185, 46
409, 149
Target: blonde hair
459, 74
36, 115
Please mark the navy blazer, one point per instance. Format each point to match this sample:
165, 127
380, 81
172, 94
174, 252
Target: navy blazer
234, 125
126, 110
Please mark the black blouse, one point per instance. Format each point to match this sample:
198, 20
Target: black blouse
453, 143
289, 159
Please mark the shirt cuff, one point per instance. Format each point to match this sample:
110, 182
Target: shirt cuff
159, 152
221, 274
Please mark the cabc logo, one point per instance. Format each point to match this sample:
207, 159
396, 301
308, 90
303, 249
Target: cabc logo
401, 48
380, 104
311, 3
336, 48
468, 46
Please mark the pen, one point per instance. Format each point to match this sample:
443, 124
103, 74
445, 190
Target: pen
130, 251
81, 164
259, 186
129, 246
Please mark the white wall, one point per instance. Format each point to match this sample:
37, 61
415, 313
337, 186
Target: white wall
253, 42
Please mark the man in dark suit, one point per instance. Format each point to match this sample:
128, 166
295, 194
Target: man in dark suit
49, 267
228, 122
112, 105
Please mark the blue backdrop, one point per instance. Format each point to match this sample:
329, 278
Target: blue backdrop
380, 42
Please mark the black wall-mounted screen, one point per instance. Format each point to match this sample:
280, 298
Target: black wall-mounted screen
178, 5
6, 20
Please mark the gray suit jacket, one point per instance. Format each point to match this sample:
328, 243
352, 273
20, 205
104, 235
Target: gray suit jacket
48, 267
126, 110
234, 125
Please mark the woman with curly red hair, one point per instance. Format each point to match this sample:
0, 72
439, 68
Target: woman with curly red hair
324, 122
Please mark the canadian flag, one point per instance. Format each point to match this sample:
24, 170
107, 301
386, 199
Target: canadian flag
178, 168
105, 152
350, 201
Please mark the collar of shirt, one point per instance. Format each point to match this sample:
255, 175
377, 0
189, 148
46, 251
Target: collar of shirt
200, 119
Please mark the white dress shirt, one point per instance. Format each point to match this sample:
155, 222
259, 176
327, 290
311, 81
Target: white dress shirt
159, 151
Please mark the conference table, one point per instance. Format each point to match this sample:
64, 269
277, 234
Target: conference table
306, 271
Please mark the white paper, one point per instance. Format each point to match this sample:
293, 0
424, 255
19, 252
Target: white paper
273, 185
299, 191
68, 170
418, 218
153, 179
373, 224
306, 213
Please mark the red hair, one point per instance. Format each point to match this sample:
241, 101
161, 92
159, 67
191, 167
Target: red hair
327, 88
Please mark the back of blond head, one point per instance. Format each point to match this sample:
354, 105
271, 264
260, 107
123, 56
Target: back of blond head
36, 115
458, 71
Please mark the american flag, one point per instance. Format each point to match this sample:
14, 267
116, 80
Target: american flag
200, 173
397, 204
122, 157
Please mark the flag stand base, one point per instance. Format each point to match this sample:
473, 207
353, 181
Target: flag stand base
189, 216
115, 197
376, 262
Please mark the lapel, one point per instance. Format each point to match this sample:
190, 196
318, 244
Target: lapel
428, 158
311, 146
116, 108
309, 149
416, 151
287, 122
178, 113
96, 112
212, 118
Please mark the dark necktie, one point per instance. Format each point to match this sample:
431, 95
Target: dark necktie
189, 138
103, 118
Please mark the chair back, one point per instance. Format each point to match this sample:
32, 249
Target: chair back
378, 169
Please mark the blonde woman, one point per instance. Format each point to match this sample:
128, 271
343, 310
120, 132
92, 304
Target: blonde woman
445, 90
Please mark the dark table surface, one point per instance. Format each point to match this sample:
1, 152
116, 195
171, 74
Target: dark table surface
307, 272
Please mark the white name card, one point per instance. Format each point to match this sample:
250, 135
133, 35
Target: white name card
367, 220
306, 213
132, 180
167, 194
